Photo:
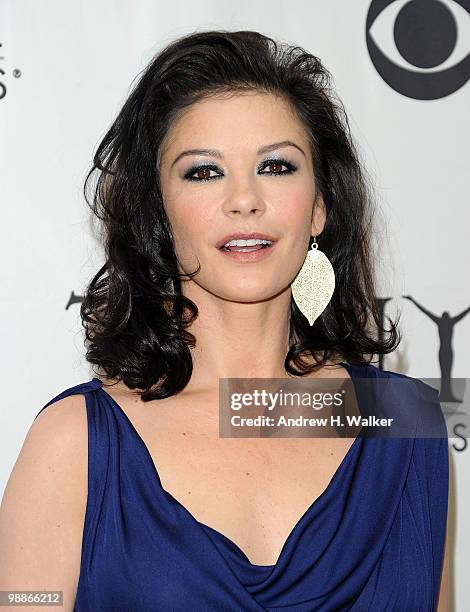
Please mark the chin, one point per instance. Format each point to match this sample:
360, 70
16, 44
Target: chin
247, 292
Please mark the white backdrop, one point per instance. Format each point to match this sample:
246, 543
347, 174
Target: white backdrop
66, 69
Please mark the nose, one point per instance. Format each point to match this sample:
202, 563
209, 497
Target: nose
244, 201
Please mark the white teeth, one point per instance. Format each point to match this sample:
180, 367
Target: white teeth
250, 242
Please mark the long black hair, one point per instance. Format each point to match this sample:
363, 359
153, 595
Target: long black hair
135, 320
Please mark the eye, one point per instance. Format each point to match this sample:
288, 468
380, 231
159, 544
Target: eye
202, 173
278, 163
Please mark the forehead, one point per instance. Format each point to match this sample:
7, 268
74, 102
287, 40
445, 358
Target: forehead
235, 119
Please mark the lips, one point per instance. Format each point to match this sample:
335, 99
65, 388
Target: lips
240, 236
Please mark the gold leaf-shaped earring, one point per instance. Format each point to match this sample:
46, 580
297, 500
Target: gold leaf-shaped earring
313, 286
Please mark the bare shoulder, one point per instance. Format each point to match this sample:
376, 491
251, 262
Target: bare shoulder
44, 502
62, 417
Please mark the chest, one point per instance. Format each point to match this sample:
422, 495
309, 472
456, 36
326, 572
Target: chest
252, 490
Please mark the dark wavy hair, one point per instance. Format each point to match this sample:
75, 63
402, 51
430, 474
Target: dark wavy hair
135, 320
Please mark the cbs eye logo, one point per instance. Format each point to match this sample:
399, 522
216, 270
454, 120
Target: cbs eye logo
420, 47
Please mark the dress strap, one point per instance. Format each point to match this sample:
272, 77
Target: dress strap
103, 461
85, 388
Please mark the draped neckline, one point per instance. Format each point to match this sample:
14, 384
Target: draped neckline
188, 514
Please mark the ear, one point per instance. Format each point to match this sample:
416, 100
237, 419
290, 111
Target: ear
318, 215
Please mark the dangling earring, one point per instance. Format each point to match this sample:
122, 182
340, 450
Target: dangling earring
313, 286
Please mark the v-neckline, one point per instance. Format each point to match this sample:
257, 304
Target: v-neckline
339, 470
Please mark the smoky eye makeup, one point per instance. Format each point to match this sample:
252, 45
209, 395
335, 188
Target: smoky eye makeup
206, 168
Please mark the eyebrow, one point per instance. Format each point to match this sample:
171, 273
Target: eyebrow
218, 154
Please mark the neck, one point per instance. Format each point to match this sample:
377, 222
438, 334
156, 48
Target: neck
238, 340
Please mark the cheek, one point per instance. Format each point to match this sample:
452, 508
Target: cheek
189, 221
295, 211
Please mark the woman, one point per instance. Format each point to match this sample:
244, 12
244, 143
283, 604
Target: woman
226, 135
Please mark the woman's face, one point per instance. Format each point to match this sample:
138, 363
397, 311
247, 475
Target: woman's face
236, 187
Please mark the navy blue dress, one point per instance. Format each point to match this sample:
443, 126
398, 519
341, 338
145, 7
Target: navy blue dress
372, 541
